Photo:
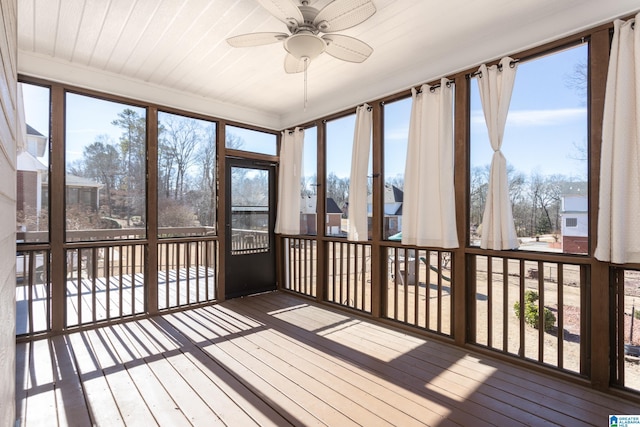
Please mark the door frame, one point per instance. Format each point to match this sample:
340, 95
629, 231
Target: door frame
235, 275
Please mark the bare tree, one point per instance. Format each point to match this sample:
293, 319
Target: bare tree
180, 138
206, 199
337, 189
478, 194
578, 79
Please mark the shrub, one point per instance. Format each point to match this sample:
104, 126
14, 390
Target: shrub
531, 312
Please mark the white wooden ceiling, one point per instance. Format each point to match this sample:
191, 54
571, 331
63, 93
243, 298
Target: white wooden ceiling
173, 52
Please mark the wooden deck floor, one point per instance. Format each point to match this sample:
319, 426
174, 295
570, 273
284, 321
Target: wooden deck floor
275, 359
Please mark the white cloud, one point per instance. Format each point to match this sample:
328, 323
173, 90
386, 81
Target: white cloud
397, 134
537, 117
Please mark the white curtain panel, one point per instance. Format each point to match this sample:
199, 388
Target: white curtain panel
496, 86
358, 180
428, 210
289, 181
619, 204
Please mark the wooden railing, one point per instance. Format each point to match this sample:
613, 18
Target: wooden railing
106, 277
187, 272
104, 282
626, 341
349, 274
33, 291
300, 265
419, 288
115, 233
249, 241
533, 310
506, 298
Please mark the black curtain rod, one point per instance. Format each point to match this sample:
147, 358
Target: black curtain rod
612, 30
479, 73
435, 86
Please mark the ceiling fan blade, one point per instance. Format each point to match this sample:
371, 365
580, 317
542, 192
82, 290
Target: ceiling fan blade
347, 48
285, 10
294, 65
256, 39
342, 14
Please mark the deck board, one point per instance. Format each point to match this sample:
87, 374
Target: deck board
41, 398
276, 359
443, 380
71, 407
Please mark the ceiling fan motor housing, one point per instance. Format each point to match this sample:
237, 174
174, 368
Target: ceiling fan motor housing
305, 44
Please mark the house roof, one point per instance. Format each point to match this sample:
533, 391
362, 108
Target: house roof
78, 181
28, 162
32, 131
173, 52
332, 207
579, 188
392, 194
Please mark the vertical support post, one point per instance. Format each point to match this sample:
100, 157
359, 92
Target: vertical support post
462, 305
321, 204
57, 211
151, 248
222, 209
599, 298
378, 264
278, 243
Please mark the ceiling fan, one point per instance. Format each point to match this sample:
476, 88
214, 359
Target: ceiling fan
306, 23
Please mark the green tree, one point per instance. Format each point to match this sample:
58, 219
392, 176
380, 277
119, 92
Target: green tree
102, 162
133, 151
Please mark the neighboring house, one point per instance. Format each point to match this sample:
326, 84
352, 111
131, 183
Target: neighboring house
575, 218
82, 191
31, 176
31, 173
333, 221
308, 216
393, 199
33, 183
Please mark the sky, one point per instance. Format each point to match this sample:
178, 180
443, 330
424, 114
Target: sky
546, 120
87, 118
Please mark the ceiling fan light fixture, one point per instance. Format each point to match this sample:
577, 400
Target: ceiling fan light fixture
305, 45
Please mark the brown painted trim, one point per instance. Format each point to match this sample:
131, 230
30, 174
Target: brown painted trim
278, 241
134, 102
377, 253
57, 210
531, 255
151, 261
461, 182
321, 204
221, 216
599, 285
239, 154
